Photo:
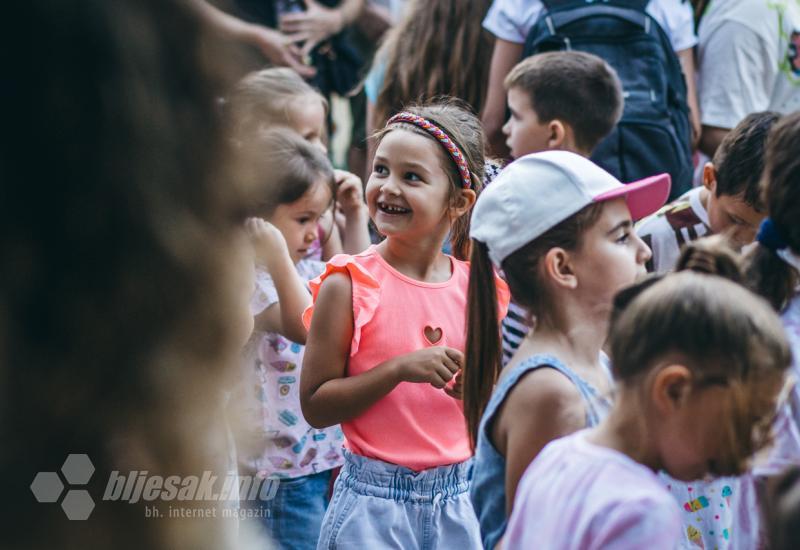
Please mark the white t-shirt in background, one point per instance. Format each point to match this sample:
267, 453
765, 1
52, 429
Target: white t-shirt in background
748, 59
511, 20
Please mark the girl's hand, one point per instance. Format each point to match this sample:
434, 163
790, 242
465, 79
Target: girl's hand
268, 242
456, 390
349, 194
435, 366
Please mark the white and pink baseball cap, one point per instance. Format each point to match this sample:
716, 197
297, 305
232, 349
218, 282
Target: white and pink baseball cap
537, 192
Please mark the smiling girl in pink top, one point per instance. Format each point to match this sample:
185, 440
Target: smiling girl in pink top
385, 345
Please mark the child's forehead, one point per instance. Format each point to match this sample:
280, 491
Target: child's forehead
408, 144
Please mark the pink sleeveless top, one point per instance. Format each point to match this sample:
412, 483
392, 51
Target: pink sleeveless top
415, 425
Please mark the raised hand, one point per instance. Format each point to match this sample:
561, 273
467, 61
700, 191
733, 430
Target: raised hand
349, 193
268, 242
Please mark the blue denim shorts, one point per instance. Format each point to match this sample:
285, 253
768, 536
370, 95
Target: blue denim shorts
292, 518
380, 505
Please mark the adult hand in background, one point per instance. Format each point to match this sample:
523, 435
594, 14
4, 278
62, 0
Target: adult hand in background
280, 49
318, 23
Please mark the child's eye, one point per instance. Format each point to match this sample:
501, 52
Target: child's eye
380, 169
411, 176
303, 220
624, 238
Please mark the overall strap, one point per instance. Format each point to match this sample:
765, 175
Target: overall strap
508, 382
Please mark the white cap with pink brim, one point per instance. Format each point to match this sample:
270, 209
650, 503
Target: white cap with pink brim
536, 192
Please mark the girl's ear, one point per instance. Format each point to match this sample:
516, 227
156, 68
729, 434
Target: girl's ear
558, 268
671, 389
463, 201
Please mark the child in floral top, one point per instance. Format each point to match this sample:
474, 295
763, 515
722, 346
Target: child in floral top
277, 442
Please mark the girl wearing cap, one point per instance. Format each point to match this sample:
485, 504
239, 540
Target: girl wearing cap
561, 229
386, 340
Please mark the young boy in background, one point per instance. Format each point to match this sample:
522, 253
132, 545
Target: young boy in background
565, 100
729, 201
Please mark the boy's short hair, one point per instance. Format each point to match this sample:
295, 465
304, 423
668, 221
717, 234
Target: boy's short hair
739, 159
577, 88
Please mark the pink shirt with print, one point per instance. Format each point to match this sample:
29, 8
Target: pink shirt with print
415, 425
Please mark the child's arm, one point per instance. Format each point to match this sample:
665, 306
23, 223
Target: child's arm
686, 58
350, 199
331, 238
327, 395
505, 55
284, 316
543, 406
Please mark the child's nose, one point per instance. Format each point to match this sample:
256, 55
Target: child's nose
389, 185
507, 127
644, 254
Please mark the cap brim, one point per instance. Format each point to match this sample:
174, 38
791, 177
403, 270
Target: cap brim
644, 196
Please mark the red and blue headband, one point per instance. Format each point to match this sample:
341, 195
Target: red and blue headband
440, 136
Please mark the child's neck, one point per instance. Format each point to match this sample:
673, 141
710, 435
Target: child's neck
625, 431
573, 333
422, 261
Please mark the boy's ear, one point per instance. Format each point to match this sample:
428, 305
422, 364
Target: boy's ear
558, 268
557, 134
671, 388
710, 177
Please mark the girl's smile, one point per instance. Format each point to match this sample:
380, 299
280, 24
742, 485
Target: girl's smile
408, 190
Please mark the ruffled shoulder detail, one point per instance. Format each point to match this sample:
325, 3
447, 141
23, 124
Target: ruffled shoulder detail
366, 293
503, 296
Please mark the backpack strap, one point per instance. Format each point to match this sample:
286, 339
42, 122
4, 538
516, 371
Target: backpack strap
550, 5
561, 13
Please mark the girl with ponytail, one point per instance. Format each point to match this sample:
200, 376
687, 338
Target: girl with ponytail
561, 230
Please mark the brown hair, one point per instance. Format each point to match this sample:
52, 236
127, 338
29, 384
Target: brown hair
767, 274
120, 239
466, 131
712, 255
724, 333
577, 88
739, 159
261, 99
523, 274
439, 48
286, 166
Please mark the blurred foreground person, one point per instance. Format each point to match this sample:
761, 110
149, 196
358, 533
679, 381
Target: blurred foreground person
125, 273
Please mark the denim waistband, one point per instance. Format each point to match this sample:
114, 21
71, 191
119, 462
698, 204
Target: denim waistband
369, 476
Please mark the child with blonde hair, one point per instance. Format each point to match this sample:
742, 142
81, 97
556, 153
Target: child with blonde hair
279, 97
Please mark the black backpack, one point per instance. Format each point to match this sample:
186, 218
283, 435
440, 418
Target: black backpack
654, 134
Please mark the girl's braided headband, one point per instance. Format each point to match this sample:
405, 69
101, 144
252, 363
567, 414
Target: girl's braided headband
441, 137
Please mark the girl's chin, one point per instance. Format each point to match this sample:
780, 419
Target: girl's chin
388, 223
